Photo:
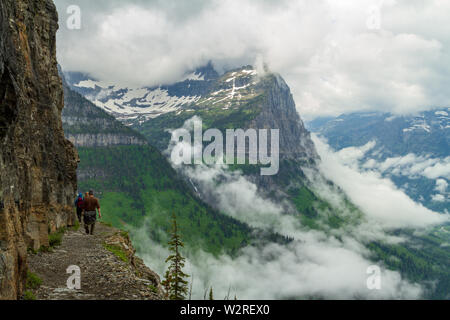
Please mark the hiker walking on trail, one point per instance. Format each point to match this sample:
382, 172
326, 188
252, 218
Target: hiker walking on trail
79, 204
91, 204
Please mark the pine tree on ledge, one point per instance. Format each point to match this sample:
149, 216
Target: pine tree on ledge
175, 279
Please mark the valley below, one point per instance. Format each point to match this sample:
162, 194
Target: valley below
263, 205
302, 233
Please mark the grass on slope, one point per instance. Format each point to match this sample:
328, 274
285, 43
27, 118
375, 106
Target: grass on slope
137, 185
423, 259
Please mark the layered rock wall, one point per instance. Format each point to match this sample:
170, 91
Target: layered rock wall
279, 112
37, 164
86, 125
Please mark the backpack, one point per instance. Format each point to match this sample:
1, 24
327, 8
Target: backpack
80, 202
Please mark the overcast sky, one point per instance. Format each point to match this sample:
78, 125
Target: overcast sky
337, 56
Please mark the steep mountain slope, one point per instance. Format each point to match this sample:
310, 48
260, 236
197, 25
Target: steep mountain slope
86, 125
241, 99
238, 99
139, 188
37, 164
413, 151
132, 105
244, 99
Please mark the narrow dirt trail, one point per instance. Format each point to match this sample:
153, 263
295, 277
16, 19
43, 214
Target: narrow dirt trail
104, 275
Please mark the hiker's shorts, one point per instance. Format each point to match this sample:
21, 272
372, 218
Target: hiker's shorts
90, 217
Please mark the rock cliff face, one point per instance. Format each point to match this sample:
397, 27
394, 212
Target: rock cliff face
103, 140
86, 125
246, 98
37, 164
278, 111
240, 98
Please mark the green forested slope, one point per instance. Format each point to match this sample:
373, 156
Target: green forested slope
138, 187
424, 259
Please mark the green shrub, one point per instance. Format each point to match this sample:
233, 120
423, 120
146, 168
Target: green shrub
28, 295
153, 288
117, 250
55, 239
45, 249
33, 281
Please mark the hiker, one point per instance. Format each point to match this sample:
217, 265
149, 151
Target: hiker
91, 204
79, 204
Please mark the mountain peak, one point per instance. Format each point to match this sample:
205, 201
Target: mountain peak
207, 72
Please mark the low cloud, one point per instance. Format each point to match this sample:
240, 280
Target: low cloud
230, 191
438, 198
441, 185
314, 265
378, 197
413, 166
239, 198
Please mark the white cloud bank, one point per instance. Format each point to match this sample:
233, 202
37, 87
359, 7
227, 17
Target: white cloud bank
414, 166
332, 53
314, 265
378, 197
311, 268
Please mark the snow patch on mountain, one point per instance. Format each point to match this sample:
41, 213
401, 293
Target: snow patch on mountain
144, 102
194, 76
130, 103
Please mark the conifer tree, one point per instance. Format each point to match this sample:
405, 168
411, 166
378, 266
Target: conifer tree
175, 279
166, 283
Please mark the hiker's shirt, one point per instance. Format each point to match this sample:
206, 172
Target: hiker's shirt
90, 205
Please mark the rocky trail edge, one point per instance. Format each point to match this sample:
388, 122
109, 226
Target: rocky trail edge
109, 268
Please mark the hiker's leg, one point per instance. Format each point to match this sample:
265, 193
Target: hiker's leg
86, 227
92, 228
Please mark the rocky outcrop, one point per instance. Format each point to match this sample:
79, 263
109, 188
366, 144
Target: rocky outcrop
103, 139
278, 111
37, 164
296, 148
